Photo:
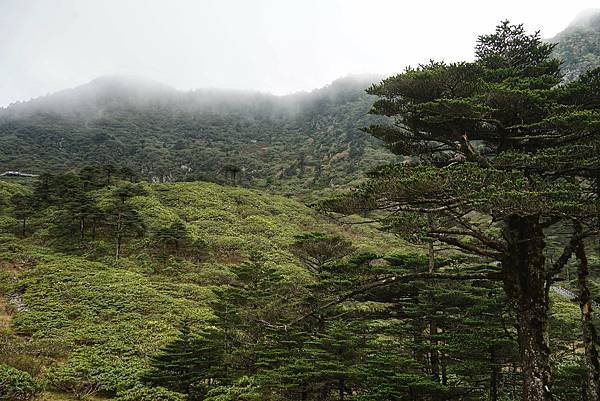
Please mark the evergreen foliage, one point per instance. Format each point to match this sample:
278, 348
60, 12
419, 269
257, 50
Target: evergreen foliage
482, 136
190, 363
16, 385
149, 394
192, 291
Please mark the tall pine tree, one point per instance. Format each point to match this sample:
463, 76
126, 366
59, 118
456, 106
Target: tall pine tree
497, 153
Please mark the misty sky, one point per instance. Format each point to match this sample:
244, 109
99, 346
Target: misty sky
277, 46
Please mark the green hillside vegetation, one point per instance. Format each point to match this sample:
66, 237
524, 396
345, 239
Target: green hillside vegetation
87, 323
212, 296
292, 143
151, 258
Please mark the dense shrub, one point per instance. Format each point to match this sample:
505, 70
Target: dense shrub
150, 394
89, 371
244, 389
75, 380
16, 385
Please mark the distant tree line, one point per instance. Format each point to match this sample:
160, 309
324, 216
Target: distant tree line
93, 203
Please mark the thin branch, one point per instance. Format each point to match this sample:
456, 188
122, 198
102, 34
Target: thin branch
467, 247
568, 252
477, 233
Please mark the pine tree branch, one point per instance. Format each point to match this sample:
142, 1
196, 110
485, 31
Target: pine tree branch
449, 240
384, 282
477, 233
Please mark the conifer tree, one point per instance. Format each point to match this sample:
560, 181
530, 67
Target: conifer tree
122, 218
173, 238
190, 364
23, 209
497, 154
316, 249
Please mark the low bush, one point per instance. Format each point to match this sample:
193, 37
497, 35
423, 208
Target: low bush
16, 385
141, 393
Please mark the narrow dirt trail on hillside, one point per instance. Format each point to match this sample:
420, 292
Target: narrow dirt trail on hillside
10, 303
5, 314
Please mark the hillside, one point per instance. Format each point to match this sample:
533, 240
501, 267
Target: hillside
290, 144
306, 140
579, 44
72, 314
199, 256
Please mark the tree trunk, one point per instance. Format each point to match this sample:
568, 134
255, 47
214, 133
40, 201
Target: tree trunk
419, 339
342, 389
434, 357
23, 228
118, 234
118, 252
431, 256
494, 373
587, 327
525, 282
444, 367
325, 392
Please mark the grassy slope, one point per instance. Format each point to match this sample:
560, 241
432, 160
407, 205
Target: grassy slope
87, 311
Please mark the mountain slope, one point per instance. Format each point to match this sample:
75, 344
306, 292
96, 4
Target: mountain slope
306, 140
289, 144
79, 318
579, 44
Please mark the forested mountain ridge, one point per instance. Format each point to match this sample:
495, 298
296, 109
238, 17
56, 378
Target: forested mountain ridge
305, 140
287, 143
578, 46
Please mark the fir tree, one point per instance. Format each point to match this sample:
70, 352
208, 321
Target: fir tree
23, 209
316, 250
122, 218
499, 153
190, 364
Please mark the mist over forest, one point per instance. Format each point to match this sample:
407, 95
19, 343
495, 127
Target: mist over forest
429, 233
308, 139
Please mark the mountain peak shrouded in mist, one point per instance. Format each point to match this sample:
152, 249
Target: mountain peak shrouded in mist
131, 83
578, 45
311, 139
589, 18
129, 91
306, 137
103, 92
